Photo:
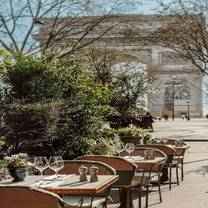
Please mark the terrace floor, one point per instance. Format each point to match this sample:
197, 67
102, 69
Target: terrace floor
193, 191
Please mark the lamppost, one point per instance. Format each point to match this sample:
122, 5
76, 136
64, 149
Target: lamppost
188, 110
173, 83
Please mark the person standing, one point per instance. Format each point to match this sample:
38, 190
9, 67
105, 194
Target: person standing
147, 121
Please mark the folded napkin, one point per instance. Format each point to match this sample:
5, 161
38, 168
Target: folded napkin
133, 158
51, 184
57, 177
51, 181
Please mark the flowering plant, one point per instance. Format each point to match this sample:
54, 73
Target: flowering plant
17, 161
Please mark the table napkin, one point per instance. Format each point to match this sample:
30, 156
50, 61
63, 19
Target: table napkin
51, 181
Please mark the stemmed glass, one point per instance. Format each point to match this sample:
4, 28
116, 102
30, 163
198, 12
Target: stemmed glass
41, 163
119, 148
165, 140
158, 140
129, 147
56, 163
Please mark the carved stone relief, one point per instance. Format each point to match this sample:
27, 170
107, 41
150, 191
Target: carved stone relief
140, 53
171, 58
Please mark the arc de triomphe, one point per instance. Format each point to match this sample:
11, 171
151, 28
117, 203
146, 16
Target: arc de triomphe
127, 38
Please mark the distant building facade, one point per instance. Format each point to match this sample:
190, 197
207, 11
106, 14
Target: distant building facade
128, 39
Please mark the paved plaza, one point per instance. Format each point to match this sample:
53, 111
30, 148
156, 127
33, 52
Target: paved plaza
193, 191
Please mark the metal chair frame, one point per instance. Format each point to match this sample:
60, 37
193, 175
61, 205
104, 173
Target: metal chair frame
170, 163
148, 172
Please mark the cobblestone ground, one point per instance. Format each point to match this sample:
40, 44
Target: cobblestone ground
193, 191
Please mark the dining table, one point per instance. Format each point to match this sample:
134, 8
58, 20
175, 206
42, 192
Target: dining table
68, 184
143, 163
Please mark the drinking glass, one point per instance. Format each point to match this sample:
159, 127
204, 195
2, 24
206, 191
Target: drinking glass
158, 140
56, 163
129, 147
119, 148
165, 140
41, 163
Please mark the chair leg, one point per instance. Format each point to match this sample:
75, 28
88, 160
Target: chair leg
140, 198
170, 178
177, 178
91, 201
104, 204
147, 196
182, 173
159, 190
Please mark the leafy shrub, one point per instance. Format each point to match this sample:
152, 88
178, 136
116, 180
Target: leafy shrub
3, 170
130, 86
52, 107
137, 134
35, 79
27, 126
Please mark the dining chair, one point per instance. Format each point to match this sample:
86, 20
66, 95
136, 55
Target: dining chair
124, 169
71, 167
24, 197
170, 162
147, 172
180, 154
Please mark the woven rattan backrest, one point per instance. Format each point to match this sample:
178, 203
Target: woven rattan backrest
71, 167
24, 197
173, 141
179, 151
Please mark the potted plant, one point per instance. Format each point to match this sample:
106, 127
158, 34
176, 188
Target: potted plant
18, 166
133, 134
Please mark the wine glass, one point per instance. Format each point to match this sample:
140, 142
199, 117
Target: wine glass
41, 163
165, 140
158, 140
129, 147
56, 163
119, 148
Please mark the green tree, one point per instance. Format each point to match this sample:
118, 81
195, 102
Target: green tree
56, 106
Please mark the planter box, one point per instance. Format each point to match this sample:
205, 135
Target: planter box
130, 139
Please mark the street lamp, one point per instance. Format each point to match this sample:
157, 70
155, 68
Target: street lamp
173, 83
188, 110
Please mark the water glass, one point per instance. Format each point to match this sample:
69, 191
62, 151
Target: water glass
119, 148
158, 140
165, 140
56, 163
129, 147
41, 163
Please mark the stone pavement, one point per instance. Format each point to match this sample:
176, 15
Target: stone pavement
193, 191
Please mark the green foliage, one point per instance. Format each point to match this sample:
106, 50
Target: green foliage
3, 170
34, 79
54, 107
2, 140
27, 125
147, 139
17, 161
133, 131
130, 86
124, 133
4, 61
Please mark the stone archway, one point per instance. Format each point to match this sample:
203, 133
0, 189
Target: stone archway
129, 39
